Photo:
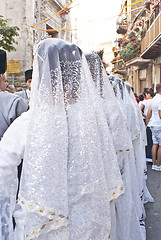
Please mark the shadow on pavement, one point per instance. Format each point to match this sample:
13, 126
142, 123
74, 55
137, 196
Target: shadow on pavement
153, 210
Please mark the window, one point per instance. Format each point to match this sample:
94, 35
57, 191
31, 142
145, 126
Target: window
53, 34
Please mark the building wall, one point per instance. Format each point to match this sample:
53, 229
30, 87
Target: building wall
108, 54
136, 80
147, 75
131, 13
152, 75
157, 66
136, 6
26, 13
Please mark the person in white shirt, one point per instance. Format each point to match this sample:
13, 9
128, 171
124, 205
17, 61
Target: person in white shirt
146, 102
154, 115
144, 109
141, 98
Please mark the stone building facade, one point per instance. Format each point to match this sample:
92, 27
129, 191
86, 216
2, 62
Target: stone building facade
26, 13
144, 69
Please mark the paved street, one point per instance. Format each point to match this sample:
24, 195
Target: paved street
153, 210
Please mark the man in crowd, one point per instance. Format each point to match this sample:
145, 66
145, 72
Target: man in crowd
25, 94
154, 115
11, 106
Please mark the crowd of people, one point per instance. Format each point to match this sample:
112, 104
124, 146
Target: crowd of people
82, 141
150, 105
19, 91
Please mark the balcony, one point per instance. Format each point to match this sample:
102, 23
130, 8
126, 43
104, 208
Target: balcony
138, 61
151, 43
119, 67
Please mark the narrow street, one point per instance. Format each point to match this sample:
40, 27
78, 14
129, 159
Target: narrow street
153, 210
79, 80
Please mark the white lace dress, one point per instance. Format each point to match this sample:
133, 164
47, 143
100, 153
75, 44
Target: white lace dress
11, 152
135, 158
70, 170
85, 203
127, 211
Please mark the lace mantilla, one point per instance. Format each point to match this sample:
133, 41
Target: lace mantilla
68, 146
5, 218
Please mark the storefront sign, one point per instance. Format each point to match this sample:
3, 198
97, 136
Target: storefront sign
13, 66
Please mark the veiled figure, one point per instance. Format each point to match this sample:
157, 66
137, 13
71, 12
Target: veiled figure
127, 214
127, 102
70, 171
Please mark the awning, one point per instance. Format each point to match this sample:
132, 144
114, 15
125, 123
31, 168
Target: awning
121, 72
138, 61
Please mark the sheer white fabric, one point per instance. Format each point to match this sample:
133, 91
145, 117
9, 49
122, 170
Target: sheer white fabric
11, 152
136, 191
5, 217
139, 149
127, 213
136, 157
70, 170
114, 116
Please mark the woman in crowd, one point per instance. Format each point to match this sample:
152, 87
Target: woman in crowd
127, 219
144, 109
141, 98
146, 102
70, 170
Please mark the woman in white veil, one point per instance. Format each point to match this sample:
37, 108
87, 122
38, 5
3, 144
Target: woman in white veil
136, 127
70, 171
128, 222
137, 131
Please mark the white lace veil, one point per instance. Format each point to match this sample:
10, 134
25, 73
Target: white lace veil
115, 118
70, 170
